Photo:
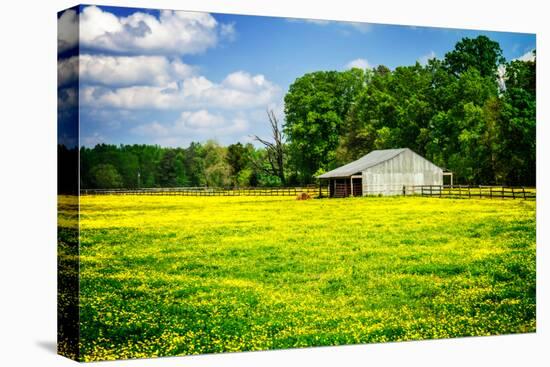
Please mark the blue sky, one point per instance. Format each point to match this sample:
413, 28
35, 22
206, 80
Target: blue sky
170, 78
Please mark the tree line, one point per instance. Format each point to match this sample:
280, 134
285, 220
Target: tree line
471, 112
199, 164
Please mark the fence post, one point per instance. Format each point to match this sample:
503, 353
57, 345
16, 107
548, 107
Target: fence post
513, 193
404, 190
469, 193
502, 193
523, 188
421, 190
491, 192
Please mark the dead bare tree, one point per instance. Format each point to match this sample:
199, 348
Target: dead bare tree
274, 150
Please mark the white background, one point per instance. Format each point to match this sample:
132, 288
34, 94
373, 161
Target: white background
28, 79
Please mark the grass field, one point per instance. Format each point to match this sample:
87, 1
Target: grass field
185, 275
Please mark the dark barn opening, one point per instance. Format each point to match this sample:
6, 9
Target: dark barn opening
344, 187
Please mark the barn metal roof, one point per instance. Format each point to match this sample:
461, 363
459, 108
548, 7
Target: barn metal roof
372, 159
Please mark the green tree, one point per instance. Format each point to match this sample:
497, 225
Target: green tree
167, 175
518, 123
105, 176
128, 166
480, 53
393, 110
315, 107
237, 158
194, 164
458, 135
216, 169
181, 172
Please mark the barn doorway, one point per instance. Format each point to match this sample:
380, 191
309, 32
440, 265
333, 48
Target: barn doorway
347, 186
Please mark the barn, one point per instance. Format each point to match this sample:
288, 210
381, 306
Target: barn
382, 172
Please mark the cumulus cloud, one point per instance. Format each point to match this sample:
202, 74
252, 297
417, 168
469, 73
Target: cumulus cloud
239, 90
423, 60
67, 71
201, 119
210, 123
193, 124
67, 30
172, 32
528, 56
136, 70
122, 70
135, 64
245, 82
358, 63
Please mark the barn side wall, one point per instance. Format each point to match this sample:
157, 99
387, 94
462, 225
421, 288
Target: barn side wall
408, 168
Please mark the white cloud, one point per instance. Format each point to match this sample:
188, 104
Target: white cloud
67, 71
67, 30
122, 70
201, 119
131, 71
358, 63
423, 60
198, 125
173, 32
243, 81
238, 90
134, 64
528, 56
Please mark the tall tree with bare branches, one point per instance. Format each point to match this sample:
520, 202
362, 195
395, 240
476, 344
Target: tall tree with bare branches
274, 150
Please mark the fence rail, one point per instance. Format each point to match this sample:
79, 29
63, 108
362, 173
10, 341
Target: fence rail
442, 191
472, 192
210, 191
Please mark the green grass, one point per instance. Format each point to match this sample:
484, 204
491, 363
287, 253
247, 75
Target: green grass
185, 275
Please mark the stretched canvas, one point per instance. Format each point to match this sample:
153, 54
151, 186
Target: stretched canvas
232, 183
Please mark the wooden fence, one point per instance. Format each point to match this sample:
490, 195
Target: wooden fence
313, 191
472, 192
447, 191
